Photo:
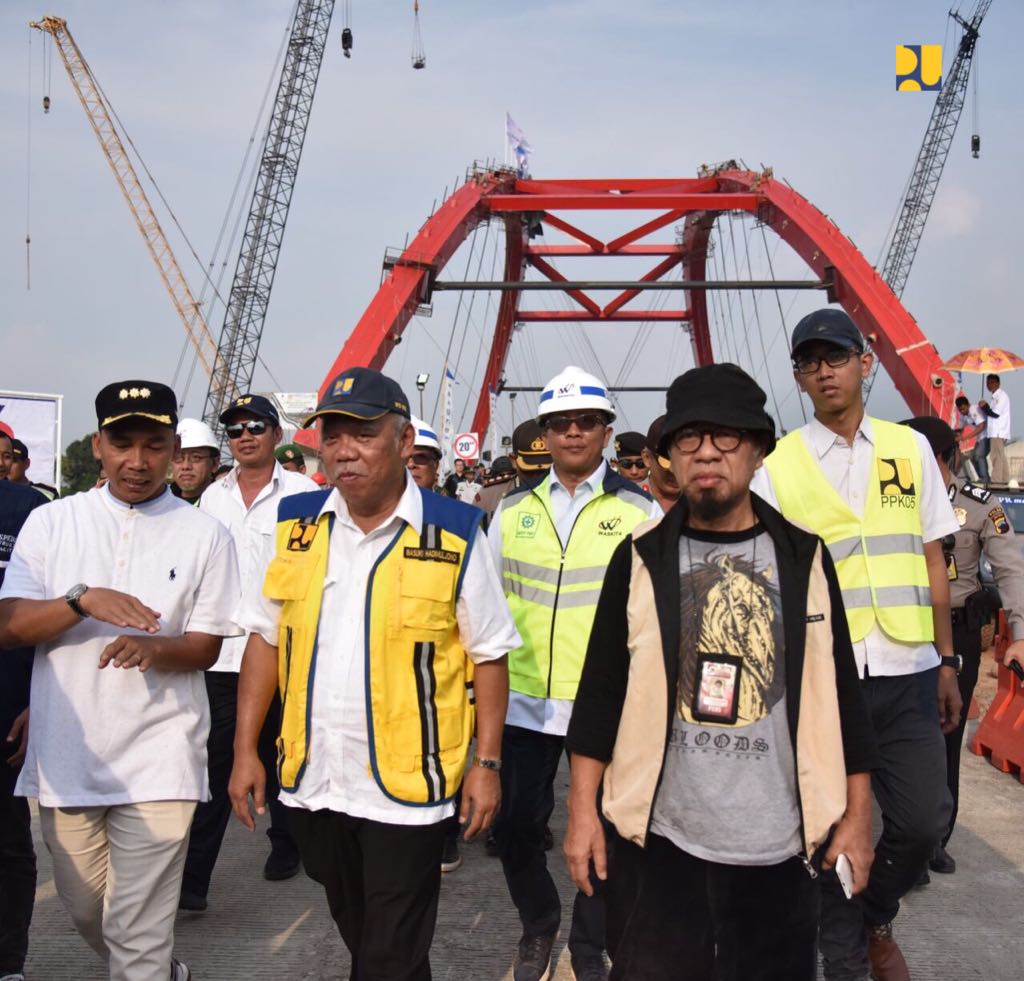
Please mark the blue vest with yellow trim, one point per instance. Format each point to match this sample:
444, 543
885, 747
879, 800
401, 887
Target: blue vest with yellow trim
419, 681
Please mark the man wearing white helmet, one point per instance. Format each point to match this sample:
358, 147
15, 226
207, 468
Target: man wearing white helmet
553, 540
193, 465
426, 457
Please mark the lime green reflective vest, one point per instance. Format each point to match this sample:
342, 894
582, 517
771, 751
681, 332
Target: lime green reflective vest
419, 681
552, 590
879, 559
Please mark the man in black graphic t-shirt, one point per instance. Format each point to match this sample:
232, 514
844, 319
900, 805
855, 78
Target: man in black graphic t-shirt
719, 713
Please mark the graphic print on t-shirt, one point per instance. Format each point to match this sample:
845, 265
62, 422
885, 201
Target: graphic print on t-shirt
736, 609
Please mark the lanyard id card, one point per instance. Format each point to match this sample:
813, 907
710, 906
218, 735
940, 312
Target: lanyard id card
716, 695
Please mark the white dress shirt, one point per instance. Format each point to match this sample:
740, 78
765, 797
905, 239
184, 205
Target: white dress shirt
252, 528
119, 735
848, 469
551, 715
338, 776
999, 402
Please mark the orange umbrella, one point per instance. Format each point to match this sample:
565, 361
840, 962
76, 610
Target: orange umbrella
983, 360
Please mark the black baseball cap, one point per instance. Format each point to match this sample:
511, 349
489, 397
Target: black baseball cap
361, 393
720, 394
502, 465
829, 325
136, 399
18, 449
629, 444
259, 405
529, 447
940, 436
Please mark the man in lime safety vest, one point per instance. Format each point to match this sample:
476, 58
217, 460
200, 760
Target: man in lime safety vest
871, 489
553, 540
382, 622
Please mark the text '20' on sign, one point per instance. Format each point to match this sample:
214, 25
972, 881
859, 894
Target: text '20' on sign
467, 446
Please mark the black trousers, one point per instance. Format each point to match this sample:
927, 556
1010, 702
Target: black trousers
910, 787
674, 917
529, 763
966, 642
382, 883
17, 865
212, 816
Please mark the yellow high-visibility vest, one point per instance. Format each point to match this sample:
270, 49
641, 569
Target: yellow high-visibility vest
552, 591
879, 559
419, 680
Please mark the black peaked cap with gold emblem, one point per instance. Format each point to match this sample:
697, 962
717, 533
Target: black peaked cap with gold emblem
136, 399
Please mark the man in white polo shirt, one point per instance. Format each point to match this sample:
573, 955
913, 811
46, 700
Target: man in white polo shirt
245, 502
998, 430
126, 592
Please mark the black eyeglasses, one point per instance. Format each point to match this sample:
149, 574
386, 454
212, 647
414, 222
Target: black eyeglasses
633, 463
253, 426
689, 439
834, 359
585, 423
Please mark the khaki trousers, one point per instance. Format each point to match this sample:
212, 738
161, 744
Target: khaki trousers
118, 873
997, 461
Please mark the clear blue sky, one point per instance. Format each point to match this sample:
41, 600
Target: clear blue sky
645, 88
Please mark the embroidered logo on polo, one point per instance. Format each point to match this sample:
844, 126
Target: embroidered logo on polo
896, 483
432, 555
302, 533
528, 525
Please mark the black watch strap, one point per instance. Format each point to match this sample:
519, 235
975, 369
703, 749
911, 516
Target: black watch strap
72, 597
954, 661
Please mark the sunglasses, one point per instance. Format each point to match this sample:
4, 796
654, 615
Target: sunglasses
585, 423
689, 439
254, 426
423, 459
633, 463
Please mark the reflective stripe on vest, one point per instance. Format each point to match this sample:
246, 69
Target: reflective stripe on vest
553, 594
879, 559
419, 681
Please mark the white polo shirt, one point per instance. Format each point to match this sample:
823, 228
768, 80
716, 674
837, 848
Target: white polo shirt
118, 735
999, 402
252, 529
338, 776
551, 715
848, 469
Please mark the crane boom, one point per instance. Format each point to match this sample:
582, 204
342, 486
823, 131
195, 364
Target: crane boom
261, 245
128, 180
931, 158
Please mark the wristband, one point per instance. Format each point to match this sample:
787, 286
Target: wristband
487, 764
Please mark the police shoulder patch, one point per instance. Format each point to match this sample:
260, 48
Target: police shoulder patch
999, 520
978, 494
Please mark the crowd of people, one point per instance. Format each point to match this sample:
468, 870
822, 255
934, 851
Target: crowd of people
738, 639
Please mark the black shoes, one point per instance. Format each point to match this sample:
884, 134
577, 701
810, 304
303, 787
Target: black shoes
533, 958
592, 968
450, 857
282, 863
942, 861
192, 902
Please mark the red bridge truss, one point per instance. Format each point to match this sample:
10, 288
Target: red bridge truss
842, 272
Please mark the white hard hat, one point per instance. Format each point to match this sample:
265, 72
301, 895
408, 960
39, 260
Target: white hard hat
195, 434
572, 388
425, 436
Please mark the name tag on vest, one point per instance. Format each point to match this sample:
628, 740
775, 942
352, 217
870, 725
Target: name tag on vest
432, 555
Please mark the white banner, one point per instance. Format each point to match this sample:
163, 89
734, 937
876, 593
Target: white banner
35, 419
447, 424
493, 428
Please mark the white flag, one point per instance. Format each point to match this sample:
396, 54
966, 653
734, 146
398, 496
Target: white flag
492, 411
519, 145
448, 425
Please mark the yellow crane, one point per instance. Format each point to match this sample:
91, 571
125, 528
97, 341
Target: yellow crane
159, 248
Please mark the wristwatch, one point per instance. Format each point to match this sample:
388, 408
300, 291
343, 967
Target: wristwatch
954, 661
486, 763
73, 595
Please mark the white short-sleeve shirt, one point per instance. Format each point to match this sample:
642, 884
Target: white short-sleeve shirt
252, 529
999, 428
848, 469
337, 776
118, 735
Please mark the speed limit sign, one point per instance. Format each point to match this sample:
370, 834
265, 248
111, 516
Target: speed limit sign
467, 446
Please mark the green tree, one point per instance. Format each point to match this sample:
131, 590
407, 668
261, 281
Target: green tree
79, 469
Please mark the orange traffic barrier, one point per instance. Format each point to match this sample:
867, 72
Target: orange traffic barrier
1000, 736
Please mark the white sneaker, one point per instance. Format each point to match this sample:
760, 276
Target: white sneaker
12, 977
179, 971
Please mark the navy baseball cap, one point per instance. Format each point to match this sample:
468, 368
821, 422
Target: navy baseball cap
829, 325
361, 393
258, 405
18, 449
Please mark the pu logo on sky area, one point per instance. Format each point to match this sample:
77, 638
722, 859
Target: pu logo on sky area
918, 67
609, 526
301, 535
896, 483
